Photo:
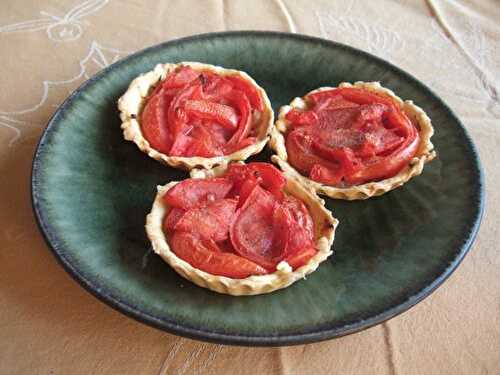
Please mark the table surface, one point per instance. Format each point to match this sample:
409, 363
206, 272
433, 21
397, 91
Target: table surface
50, 325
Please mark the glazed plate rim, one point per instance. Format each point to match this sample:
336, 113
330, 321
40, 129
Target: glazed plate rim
323, 333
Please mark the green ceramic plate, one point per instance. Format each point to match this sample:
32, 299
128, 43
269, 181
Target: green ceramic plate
92, 191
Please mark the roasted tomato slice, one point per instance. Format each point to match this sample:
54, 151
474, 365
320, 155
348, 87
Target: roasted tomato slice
219, 133
173, 216
180, 77
299, 144
210, 221
269, 177
293, 231
154, 122
359, 136
243, 180
177, 116
201, 254
300, 258
196, 192
204, 143
199, 142
187, 100
223, 114
302, 117
379, 168
237, 174
252, 233
250, 91
336, 102
246, 189
300, 214
347, 162
326, 175
245, 177
301, 225
240, 100
351, 94
382, 141
215, 87
242, 144
282, 224
181, 144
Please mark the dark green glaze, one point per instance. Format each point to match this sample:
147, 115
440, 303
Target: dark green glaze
92, 191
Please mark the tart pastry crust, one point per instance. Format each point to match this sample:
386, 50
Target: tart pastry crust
324, 225
425, 151
133, 101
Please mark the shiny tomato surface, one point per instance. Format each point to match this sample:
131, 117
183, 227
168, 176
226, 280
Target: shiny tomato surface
239, 224
350, 136
199, 113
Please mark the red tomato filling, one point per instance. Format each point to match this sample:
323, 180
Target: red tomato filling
193, 113
350, 136
240, 224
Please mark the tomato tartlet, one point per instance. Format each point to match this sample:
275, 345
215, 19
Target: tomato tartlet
240, 229
352, 142
196, 115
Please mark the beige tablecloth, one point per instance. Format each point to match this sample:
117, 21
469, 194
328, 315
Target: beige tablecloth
50, 325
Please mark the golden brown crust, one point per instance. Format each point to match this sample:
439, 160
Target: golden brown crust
425, 152
134, 99
324, 224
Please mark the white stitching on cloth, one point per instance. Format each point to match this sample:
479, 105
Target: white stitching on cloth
288, 16
97, 54
59, 29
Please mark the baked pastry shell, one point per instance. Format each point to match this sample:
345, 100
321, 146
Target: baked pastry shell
424, 154
132, 102
324, 225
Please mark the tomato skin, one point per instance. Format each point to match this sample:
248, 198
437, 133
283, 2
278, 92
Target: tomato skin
192, 193
210, 221
388, 166
180, 77
250, 91
301, 117
154, 123
251, 231
220, 134
363, 135
186, 100
177, 117
343, 156
223, 114
181, 144
351, 94
300, 214
241, 102
237, 173
242, 144
301, 258
203, 143
293, 231
270, 178
245, 177
301, 155
203, 257
325, 175
246, 189
301, 227
171, 219
235, 226
214, 86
